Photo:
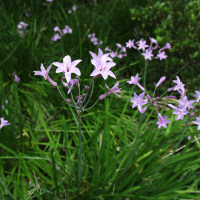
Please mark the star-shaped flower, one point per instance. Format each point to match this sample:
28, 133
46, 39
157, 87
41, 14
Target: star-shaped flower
197, 122
197, 95
148, 54
186, 103
161, 55
180, 111
45, 74
134, 80
142, 44
3, 123
162, 121
113, 90
130, 44
102, 66
179, 85
139, 102
68, 67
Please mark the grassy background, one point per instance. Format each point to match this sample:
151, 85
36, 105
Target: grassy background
125, 156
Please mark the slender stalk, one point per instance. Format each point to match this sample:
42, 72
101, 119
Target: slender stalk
64, 97
92, 105
80, 153
91, 92
145, 73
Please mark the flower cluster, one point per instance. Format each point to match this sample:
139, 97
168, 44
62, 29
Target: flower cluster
94, 39
185, 106
102, 67
147, 50
60, 33
21, 28
120, 51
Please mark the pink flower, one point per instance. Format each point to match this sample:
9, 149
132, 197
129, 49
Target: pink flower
197, 122
56, 37
134, 80
161, 80
180, 111
74, 7
142, 44
161, 55
67, 29
45, 74
113, 90
197, 95
139, 102
102, 66
68, 67
70, 84
186, 103
3, 123
148, 54
162, 121
130, 44
179, 84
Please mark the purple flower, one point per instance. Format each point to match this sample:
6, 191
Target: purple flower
161, 80
130, 44
162, 121
68, 67
102, 66
161, 55
179, 86
67, 29
197, 95
45, 74
70, 84
100, 56
153, 42
134, 80
197, 122
22, 25
56, 37
74, 7
118, 45
3, 123
142, 44
167, 46
180, 111
107, 49
148, 54
113, 90
184, 102
138, 101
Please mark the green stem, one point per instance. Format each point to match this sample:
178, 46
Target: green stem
92, 105
80, 154
91, 92
145, 73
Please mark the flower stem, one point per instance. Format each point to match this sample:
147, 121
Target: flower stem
145, 73
79, 154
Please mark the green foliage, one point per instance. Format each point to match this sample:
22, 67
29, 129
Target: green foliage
124, 155
177, 22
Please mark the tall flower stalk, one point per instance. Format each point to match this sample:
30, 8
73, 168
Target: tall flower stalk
81, 103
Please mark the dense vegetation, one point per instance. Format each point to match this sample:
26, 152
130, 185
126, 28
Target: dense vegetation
124, 153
